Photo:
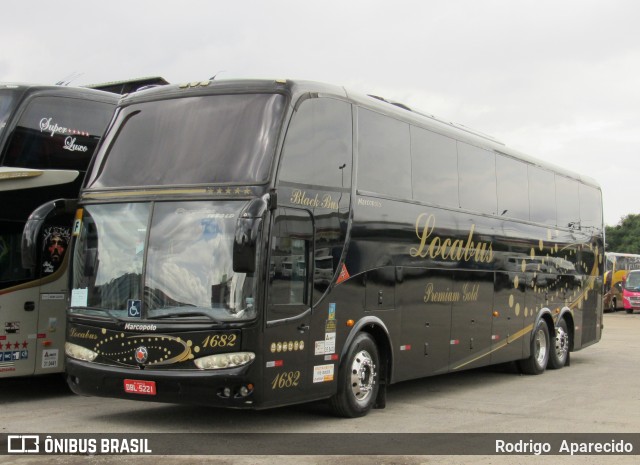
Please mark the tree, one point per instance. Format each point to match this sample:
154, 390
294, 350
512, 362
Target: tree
625, 236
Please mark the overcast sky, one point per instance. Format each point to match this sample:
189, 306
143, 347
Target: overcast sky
556, 79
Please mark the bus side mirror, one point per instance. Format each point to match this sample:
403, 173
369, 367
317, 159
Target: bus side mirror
246, 237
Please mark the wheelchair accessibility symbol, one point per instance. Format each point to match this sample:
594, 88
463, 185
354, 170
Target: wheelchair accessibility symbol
133, 308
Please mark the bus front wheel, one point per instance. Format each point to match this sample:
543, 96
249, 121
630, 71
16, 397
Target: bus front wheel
537, 361
358, 379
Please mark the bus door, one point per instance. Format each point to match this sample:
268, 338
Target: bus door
287, 373
45, 243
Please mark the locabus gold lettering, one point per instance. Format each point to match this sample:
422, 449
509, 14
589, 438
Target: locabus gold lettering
447, 249
82, 335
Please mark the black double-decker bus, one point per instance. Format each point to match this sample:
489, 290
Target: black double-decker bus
253, 244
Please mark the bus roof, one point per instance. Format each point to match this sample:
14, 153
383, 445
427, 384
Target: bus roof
298, 89
64, 91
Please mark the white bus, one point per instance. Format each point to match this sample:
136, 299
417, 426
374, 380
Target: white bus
47, 137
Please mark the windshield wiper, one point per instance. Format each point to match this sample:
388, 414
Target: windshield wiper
104, 311
184, 315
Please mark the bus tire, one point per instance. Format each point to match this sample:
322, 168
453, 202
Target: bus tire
536, 363
358, 379
629, 310
560, 348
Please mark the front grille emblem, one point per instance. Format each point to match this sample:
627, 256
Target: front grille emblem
142, 354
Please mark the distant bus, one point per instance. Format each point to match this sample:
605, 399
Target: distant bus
617, 266
47, 137
426, 249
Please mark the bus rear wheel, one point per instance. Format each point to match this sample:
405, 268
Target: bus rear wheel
358, 379
560, 353
537, 361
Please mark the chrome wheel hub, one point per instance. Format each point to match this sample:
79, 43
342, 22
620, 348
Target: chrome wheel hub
363, 376
541, 347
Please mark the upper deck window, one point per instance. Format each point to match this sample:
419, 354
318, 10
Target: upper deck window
7, 98
193, 140
57, 133
384, 165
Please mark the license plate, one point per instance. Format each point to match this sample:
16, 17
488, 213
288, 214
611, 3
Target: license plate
136, 386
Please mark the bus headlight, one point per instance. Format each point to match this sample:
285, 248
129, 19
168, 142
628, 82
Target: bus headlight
79, 352
218, 361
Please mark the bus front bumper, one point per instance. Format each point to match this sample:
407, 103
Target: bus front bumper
229, 388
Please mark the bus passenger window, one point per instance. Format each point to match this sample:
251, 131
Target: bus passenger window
542, 196
590, 207
477, 171
568, 203
318, 146
384, 164
52, 135
513, 192
434, 162
11, 270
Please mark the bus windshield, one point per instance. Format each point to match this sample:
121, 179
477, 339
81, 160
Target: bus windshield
194, 140
633, 281
6, 106
182, 268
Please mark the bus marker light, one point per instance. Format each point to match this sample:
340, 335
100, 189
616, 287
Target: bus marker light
455, 342
496, 313
46, 343
350, 323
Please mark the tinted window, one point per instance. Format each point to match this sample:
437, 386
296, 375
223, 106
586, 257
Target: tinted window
542, 196
434, 168
568, 202
590, 207
318, 146
477, 172
11, 270
384, 162
194, 140
513, 192
289, 267
7, 98
57, 133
